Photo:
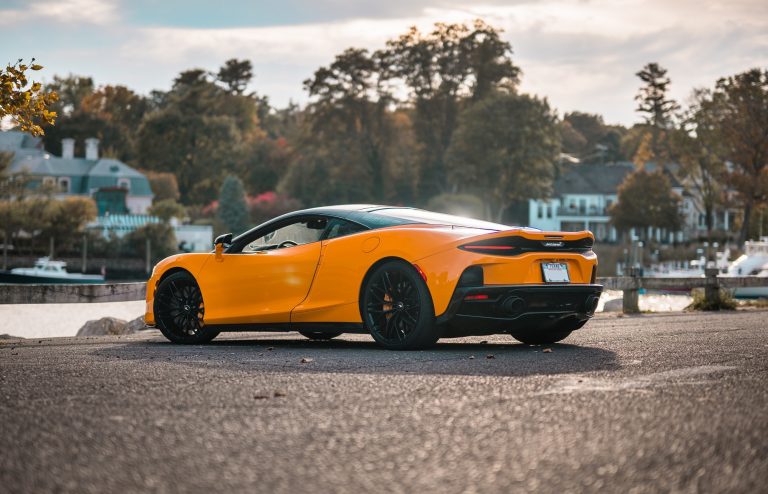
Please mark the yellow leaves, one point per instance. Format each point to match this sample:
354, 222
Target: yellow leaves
26, 104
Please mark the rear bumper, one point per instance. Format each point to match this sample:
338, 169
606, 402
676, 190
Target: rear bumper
513, 308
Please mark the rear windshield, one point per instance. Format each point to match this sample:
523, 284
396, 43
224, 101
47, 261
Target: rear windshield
428, 217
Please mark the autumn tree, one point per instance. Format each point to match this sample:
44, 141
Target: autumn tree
505, 149
64, 218
657, 111
700, 151
740, 109
25, 101
646, 199
167, 209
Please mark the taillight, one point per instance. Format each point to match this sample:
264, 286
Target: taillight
513, 245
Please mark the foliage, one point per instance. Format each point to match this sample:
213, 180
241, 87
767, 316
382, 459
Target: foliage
505, 149
739, 108
439, 68
162, 242
657, 111
164, 185
646, 199
725, 301
233, 210
66, 217
587, 137
269, 205
236, 75
467, 205
700, 152
166, 209
25, 101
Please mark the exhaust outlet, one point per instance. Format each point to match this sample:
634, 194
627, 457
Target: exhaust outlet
513, 305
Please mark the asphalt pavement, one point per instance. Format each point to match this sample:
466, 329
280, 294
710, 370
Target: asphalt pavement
650, 403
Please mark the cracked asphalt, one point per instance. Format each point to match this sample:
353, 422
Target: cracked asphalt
672, 403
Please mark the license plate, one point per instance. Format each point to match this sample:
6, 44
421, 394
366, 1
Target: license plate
555, 272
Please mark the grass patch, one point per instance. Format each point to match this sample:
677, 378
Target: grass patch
725, 301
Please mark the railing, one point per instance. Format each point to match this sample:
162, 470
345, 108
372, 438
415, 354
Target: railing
123, 292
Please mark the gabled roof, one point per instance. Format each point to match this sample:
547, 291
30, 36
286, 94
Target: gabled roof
591, 178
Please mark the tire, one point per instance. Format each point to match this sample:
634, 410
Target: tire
179, 310
396, 307
320, 335
543, 338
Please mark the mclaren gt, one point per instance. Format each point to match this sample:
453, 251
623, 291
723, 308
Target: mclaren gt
406, 276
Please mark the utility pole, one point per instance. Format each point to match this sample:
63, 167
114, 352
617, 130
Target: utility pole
52, 245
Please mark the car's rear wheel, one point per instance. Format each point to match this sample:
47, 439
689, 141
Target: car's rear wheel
543, 338
179, 310
397, 309
320, 335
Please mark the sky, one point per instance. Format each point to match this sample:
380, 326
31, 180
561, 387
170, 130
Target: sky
582, 55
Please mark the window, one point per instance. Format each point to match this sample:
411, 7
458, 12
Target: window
64, 185
541, 211
339, 228
290, 235
124, 183
49, 181
549, 210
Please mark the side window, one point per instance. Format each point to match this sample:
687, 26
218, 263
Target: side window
291, 235
340, 228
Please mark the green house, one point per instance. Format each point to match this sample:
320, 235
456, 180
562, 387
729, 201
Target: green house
116, 187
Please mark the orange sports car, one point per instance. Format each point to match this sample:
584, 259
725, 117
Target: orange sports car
406, 276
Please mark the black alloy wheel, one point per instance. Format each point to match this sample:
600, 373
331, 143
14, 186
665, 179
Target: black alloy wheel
179, 310
320, 335
396, 308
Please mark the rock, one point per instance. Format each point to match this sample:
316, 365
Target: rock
615, 305
103, 326
135, 325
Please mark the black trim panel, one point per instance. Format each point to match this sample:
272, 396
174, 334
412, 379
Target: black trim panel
344, 327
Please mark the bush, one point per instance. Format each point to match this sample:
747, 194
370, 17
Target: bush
725, 301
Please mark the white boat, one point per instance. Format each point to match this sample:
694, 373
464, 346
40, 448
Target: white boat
45, 271
754, 262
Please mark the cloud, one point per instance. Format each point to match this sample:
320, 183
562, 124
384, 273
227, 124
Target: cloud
581, 54
64, 11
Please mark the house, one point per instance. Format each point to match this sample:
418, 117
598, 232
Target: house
116, 187
583, 194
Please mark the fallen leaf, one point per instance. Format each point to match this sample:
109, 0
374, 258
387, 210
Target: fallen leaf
547, 350
260, 397
471, 357
279, 394
489, 356
306, 360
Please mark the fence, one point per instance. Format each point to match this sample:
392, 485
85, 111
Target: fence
122, 292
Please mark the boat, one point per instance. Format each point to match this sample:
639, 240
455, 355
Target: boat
47, 271
754, 262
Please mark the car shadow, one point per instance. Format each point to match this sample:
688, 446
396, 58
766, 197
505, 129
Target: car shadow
470, 357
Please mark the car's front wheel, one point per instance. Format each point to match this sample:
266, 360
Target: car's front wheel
397, 309
179, 310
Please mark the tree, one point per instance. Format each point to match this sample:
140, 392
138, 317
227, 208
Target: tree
236, 75
233, 210
439, 68
505, 149
24, 101
162, 242
657, 111
646, 199
587, 137
66, 217
164, 185
70, 90
167, 209
699, 148
740, 107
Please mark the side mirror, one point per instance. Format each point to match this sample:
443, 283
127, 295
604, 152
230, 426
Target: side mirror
219, 244
225, 239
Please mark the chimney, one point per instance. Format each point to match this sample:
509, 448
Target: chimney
67, 148
92, 149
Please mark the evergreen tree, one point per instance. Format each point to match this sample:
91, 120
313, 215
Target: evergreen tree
233, 210
657, 111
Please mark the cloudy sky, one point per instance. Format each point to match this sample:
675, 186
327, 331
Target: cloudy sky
581, 54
